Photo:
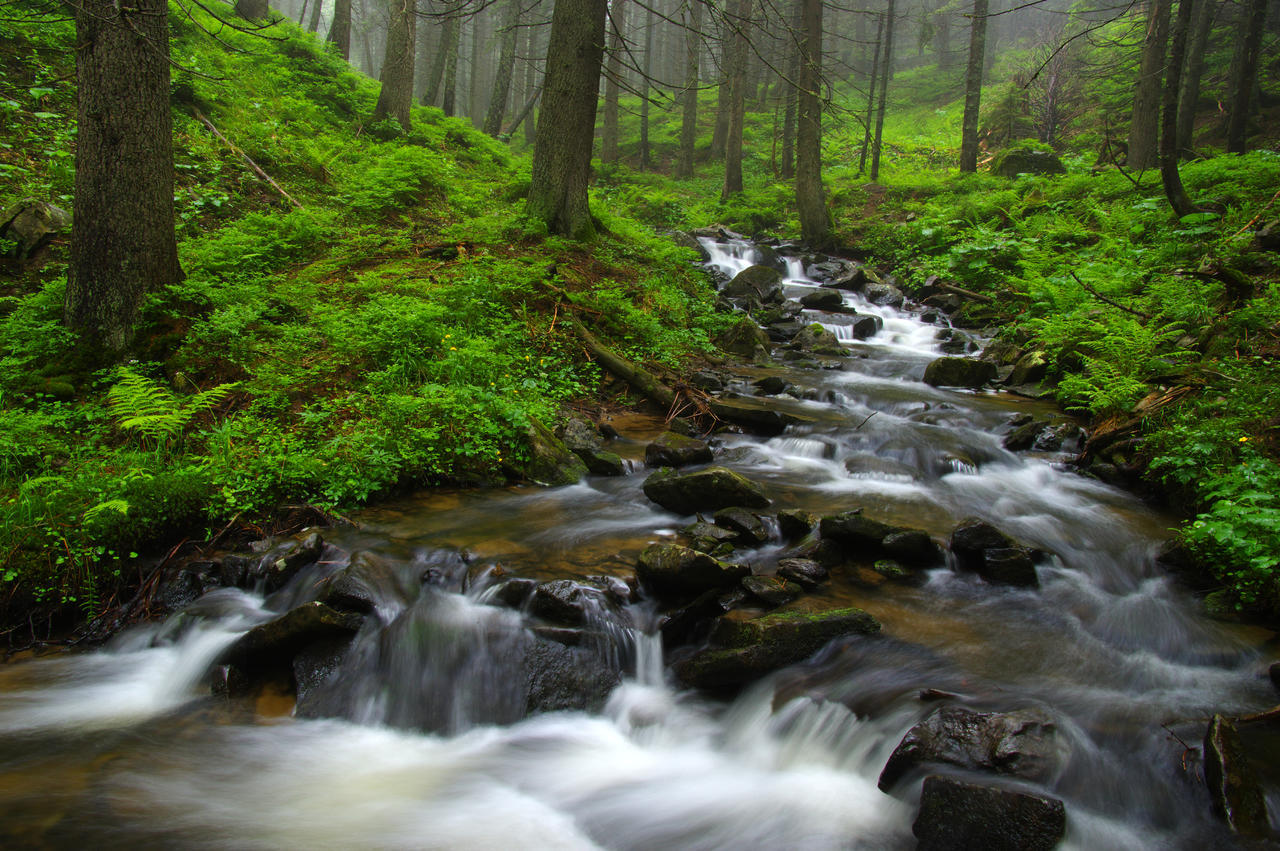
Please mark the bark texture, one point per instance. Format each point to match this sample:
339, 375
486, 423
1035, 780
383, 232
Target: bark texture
340, 29
1144, 126
613, 82
973, 88
811, 202
122, 239
689, 97
1189, 90
566, 122
506, 65
395, 99
736, 62
886, 71
1249, 45
1172, 180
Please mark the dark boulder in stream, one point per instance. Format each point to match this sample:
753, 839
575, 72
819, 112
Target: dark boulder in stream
760, 283
959, 816
1022, 744
550, 461
676, 450
704, 490
982, 548
584, 440
670, 570
562, 679
275, 643
275, 565
742, 650
828, 300
1234, 788
368, 582
959, 372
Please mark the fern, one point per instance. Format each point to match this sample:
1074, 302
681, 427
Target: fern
148, 408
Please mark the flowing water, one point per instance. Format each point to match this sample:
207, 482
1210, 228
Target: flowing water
425, 745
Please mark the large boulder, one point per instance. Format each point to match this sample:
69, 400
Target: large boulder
744, 338
828, 300
959, 372
1022, 160
959, 816
550, 461
884, 294
1033, 366
369, 583
30, 225
815, 338
856, 532
584, 440
1019, 744
982, 548
1234, 788
670, 570
743, 650
566, 602
748, 528
676, 450
565, 679
274, 644
760, 283
709, 489
759, 416
276, 564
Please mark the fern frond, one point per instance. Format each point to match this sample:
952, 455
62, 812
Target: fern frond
118, 505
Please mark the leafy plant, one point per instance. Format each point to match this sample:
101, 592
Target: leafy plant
144, 406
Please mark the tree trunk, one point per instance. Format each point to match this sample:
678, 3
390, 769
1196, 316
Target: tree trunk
942, 38
721, 130
811, 202
340, 29
613, 82
452, 47
448, 31
251, 10
973, 88
645, 88
1189, 92
1145, 124
1173, 188
315, 16
531, 84
1248, 47
395, 99
302, 15
689, 98
871, 96
506, 63
122, 238
737, 62
886, 72
566, 122
793, 71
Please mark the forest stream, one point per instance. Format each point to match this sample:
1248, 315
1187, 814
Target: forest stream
418, 738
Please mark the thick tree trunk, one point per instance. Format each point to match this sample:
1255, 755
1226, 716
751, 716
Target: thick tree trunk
452, 47
973, 88
316, 9
340, 29
506, 63
395, 99
1173, 188
1189, 91
721, 131
1248, 46
1145, 125
252, 10
566, 122
689, 97
613, 82
790, 97
737, 62
122, 238
871, 96
886, 72
645, 88
811, 202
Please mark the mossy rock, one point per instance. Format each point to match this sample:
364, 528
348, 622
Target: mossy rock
709, 489
670, 570
550, 461
1025, 160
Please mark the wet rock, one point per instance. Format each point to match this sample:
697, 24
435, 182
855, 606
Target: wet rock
550, 462
982, 548
562, 679
1030, 368
780, 313
513, 593
771, 590
795, 523
743, 650
771, 385
1234, 788
750, 529
709, 489
585, 440
1267, 236
602, 462
885, 295
315, 665
565, 602
709, 538
1019, 744
895, 571
1024, 437
708, 381
743, 338
759, 416
688, 240
617, 590
912, 547
959, 816
684, 624
866, 326
1273, 673
670, 570
366, 584
959, 372
855, 532
828, 300
761, 283
1060, 437
806, 573
1017, 160
676, 450
179, 590
815, 338
275, 643
284, 559
785, 331
946, 302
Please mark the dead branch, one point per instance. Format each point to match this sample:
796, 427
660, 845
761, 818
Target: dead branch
256, 168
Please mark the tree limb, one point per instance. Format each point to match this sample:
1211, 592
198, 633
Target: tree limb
257, 170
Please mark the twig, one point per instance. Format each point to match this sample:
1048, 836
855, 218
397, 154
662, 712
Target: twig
257, 170
1254, 220
1145, 317
867, 420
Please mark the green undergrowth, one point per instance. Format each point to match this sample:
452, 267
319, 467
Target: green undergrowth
397, 323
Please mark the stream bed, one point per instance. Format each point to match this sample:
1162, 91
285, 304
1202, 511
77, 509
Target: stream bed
424, 741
